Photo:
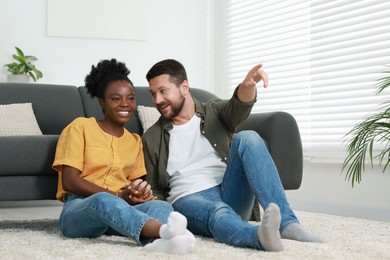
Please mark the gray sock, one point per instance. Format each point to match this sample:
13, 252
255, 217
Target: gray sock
295, 231
268, 232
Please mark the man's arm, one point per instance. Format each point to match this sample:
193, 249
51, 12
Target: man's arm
152, 175
247, 90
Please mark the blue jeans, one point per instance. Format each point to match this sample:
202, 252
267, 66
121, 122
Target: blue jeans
221, 212
104, 213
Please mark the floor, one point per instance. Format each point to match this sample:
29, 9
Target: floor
28, 210
51, 209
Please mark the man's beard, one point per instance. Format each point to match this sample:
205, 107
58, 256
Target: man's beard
176, 108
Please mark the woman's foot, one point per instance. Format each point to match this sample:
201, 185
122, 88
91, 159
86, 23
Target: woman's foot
179, 245
176, 226
175, 238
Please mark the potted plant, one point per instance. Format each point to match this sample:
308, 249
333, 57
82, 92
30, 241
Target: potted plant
23, 66
372, 132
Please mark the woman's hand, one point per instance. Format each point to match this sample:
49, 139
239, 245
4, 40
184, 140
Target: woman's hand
136, 192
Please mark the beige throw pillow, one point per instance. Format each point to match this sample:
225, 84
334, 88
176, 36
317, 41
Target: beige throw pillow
148, 116
18, 119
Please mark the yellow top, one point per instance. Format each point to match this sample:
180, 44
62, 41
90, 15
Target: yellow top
102, 159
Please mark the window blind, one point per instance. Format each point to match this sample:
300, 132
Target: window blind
323, 58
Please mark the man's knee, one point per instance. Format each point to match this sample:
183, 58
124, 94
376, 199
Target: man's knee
248, 137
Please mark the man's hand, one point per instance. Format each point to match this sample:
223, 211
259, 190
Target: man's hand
254, 76
247, 89
136, 192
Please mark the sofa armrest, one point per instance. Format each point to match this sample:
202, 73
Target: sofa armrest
280, 132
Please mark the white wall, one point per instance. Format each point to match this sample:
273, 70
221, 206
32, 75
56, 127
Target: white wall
175, 29
324, 189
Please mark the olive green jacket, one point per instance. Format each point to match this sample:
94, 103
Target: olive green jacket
219, 119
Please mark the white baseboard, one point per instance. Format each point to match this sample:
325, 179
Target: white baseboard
381, 214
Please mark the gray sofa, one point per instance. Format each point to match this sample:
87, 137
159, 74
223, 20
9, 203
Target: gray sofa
25, 161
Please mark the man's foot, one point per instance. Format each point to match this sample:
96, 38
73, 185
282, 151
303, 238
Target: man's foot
268, 232
295, 231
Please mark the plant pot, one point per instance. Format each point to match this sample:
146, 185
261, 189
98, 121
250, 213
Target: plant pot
13, 78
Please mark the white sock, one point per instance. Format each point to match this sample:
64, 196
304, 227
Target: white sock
268, 232
176, 226
179, 245
295, 231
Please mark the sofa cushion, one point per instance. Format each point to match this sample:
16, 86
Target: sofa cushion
27, 155
148, 116
28, 187
18, 119
55, 106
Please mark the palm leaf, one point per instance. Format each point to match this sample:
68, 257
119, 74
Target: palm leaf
363, 138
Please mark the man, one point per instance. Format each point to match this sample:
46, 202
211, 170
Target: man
209, 174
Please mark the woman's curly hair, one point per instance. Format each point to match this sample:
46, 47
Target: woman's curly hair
105, 72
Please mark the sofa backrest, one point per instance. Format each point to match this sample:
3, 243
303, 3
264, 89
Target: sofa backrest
143, 97
55, 106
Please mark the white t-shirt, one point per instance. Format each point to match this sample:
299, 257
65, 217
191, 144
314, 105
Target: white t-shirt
193, 164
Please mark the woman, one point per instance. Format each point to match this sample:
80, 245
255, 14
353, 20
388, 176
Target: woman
100, 165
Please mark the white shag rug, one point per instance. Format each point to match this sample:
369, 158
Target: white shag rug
346, 238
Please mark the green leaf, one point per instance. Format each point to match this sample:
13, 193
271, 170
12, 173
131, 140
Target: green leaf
23, 65
364, 136
32, 76
19, 51
30, 58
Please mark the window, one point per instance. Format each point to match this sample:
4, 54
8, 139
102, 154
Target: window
323, 58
